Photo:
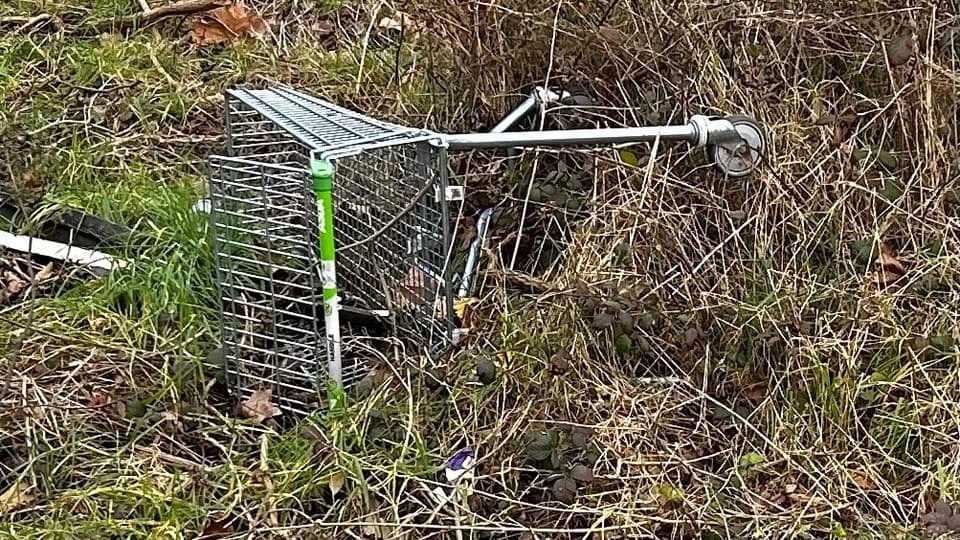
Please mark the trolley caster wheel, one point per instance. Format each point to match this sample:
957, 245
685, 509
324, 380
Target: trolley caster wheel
739, 158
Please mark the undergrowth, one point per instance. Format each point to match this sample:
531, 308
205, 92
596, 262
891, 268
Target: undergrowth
656, 351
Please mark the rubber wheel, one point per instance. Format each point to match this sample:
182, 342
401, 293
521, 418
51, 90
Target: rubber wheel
739, 160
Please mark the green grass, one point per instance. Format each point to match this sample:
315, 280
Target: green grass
767, 388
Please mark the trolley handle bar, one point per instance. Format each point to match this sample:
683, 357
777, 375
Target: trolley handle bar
700, 131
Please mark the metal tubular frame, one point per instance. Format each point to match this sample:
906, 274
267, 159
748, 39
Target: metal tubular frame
387, 187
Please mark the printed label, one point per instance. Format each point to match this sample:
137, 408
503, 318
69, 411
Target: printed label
328, 274
322, 222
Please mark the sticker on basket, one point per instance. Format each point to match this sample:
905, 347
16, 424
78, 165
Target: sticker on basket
328, 274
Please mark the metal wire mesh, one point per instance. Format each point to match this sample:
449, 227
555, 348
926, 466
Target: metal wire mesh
264, 247
391, 228
403, 270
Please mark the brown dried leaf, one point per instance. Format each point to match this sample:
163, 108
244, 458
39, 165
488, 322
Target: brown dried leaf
943, 508
560, 363
260, 405
16, 497
602, 319
611, 34
410, 289
580, 436
98, 399
862, 480
891, 269
216, 529
756, 391
336, 482
399, 21
324, 28
45, 273
690, 336
235, 21
486, 370
14, 284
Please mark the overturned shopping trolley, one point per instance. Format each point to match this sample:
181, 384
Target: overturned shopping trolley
332, 231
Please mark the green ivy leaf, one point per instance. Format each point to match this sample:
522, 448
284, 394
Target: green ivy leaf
629, 158
887, 159
751, 459
892, 189
565, 490
539, 446
582, 473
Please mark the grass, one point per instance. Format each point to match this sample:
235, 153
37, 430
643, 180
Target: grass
764, 386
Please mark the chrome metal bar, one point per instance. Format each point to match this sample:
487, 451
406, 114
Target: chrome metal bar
573, 137
516, 115
470, 268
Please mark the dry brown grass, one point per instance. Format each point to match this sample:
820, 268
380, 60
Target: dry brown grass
771, 389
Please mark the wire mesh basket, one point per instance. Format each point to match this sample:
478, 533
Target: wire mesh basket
332, 232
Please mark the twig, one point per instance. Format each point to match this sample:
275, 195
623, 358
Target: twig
182, 8
25, 22
145, 6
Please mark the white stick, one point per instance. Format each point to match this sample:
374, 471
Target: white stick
62, 252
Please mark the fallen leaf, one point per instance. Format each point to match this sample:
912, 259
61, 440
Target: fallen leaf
756, 391
943, 508
135, 408
625, 320
463, 307
16, 497
14, 284
486, 370
580, 436
559, 363
399, 21
216, 529
602, 320
582, 473
891, 269
690, 336
336, 482
409, 291
840, 133
901, 48
235, 21
45, 273
751, 459
324, 28
565, 490
98, 399
611, 34
629, 158
862, 480
539, 446
260, 405
887, 159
